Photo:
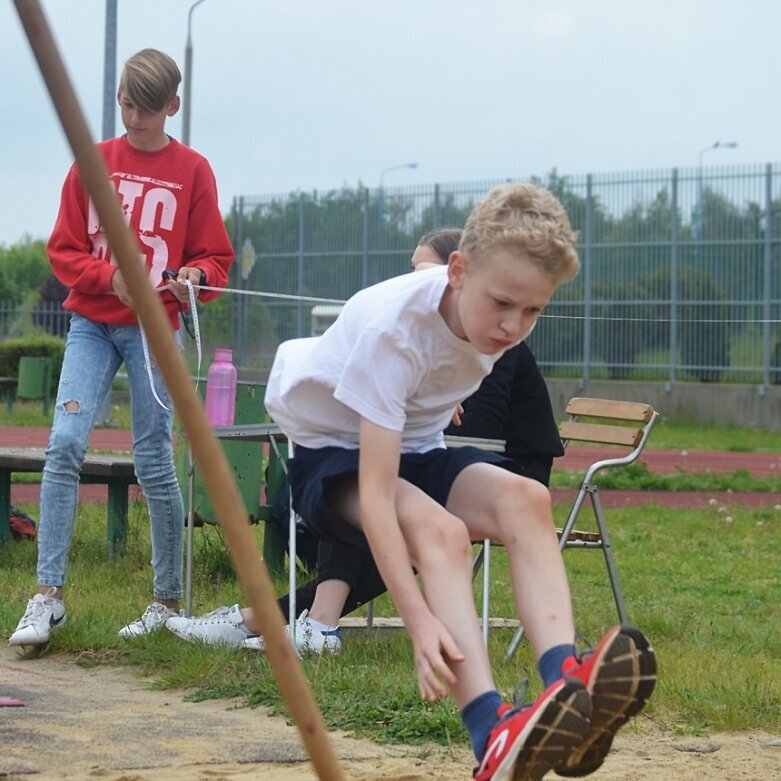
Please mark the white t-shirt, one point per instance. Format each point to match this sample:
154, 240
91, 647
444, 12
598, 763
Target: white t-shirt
389, 357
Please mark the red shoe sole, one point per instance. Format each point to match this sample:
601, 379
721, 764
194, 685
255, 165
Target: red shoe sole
560, 727
626, 677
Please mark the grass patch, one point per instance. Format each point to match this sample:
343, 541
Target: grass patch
30, 413
685, 435
637, 476
707, 593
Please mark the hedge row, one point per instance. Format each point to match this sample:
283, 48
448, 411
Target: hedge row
12, 350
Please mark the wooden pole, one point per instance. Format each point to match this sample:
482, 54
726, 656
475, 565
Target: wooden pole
217, 475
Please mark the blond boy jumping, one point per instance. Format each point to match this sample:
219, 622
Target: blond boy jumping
365, 406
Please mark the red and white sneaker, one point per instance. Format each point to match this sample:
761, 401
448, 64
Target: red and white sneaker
529, 741
620, 675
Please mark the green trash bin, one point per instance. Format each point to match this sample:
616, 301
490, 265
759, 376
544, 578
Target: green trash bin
245, 458
35, 380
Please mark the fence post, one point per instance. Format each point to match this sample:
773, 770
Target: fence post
674, 311
767, 278
365, 246
587, 297
238, 303
300, 285
437, 209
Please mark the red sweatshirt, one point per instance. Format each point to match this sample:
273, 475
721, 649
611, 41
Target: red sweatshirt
169, 197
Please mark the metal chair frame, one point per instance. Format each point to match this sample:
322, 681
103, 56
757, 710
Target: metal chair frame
611, 430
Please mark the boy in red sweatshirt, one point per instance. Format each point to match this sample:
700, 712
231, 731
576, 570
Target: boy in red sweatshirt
169, 197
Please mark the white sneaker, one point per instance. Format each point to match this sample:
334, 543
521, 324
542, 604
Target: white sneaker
223, 626
44, 614
309, 639
255, 643
153, 619
312, 640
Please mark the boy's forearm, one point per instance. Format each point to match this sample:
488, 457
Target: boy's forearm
378, 470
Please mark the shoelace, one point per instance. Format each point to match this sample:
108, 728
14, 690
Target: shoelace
585, 643
154, 611
207, 618
520, 700
35, 609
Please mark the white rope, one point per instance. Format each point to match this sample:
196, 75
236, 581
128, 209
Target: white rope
654, 319
196, 328
148, 367
315, 300
263, 294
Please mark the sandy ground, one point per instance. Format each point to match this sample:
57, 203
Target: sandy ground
81, 723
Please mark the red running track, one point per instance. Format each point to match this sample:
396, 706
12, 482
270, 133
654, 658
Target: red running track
577, 458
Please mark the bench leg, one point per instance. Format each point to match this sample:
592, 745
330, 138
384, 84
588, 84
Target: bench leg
117, 519
5, 507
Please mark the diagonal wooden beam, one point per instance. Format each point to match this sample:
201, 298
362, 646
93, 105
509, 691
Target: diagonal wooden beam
217, 475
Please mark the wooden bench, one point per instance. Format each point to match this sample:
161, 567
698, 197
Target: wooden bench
115, 471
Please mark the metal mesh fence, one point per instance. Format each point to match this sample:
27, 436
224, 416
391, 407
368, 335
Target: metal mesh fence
680, 280
681, 276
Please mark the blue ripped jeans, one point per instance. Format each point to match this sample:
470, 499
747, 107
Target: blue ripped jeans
93, 354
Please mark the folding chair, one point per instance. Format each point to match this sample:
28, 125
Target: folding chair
623, 424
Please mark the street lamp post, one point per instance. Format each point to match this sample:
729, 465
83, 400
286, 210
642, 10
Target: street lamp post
188, 70
394, 168
698, 207
110, 70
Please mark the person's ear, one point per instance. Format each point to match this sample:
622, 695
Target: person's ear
173, 106
456, 269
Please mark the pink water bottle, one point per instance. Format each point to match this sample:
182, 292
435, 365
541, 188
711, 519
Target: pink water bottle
221, 384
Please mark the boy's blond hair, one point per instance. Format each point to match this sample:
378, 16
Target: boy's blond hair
150, 79
526, 220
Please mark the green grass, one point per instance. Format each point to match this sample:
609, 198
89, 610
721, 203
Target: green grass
637, 476
705, 589
702, 436
30, 413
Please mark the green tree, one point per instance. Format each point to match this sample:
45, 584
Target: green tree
23, 269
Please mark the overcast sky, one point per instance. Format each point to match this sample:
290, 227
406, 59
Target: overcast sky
305, 94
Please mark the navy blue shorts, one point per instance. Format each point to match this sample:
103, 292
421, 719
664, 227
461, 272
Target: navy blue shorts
312, 472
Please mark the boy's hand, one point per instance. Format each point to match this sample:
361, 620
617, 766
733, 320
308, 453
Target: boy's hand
433, 645
178, 286
457, 415
119, 286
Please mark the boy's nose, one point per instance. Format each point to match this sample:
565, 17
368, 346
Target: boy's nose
518, 326
513, 325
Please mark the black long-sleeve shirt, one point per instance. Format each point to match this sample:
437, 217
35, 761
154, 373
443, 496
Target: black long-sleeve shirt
513, 404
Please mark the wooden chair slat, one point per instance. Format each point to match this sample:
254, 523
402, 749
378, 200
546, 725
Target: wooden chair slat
613, 410
600, 433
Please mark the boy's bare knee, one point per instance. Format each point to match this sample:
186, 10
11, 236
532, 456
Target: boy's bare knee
525, 505
447, 539
527, 493
71, 407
